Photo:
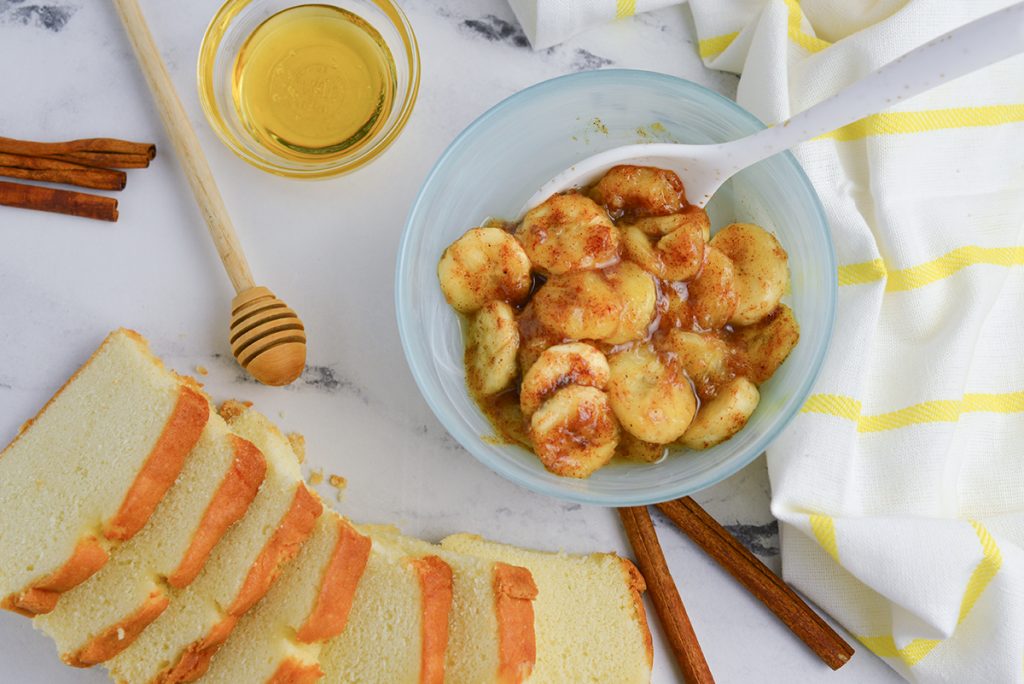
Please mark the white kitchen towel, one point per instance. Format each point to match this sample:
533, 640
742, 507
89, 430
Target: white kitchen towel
900, 485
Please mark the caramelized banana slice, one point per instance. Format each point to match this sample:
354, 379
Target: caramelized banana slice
723, 416
564, 364
676, 256
639, 249
652, 399
769, 341
484, 264
633, 449
534, 338
712, 297
760, 270
568, 233
705, 358
682, 252
637, 295
491, 352
691, 217
580, 305
574, 432
639, 190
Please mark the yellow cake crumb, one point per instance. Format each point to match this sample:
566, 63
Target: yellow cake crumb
202, 370
316, 477
233, 408
339, 483
298, 442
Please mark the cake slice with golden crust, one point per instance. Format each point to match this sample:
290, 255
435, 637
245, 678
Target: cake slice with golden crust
279, 639
89, 470
490, 627
397, 631
590, 620
178, 645
102, 616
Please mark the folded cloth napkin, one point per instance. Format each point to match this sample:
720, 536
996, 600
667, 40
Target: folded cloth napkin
900, 485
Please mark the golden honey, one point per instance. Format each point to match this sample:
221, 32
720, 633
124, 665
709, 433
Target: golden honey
313, 81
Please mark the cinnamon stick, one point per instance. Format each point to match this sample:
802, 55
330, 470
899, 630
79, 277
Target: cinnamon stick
59, 201
57, 171
674, 620
105, 160
759, 580
102, 145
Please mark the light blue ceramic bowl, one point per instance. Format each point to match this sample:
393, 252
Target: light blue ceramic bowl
494, 166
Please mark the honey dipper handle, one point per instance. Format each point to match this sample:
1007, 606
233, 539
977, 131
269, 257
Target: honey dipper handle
197, 170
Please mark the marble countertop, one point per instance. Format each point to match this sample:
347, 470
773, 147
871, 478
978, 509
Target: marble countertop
328, 249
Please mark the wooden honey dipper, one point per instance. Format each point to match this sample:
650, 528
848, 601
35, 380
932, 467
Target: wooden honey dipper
267, 338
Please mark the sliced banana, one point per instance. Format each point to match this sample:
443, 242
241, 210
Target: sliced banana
637, 295
682, 252
568, 232
712, 296
768, 342
675, 256
534, 338
639, 249
491, 351
706, 358
574, 432
652, 399
724, 416
639, 190
483, 265
633, 449
760, 270
559, 366
674, 307
580, 305
690, 216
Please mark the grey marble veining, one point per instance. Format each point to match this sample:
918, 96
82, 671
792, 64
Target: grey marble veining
327, 248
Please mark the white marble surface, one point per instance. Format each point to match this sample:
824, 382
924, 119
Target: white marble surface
328, 249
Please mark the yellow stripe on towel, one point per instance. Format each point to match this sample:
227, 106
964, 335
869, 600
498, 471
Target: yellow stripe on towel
716, 45
824, 530
625, 8
833, 405
929, 272
862, 273
953, 262
796, 32
895, 123
884, 645
712, 47
991, 561
938, 411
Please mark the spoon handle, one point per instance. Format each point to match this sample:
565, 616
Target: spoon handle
987, 40
186, 144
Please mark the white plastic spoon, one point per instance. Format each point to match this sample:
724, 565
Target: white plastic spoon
704, 168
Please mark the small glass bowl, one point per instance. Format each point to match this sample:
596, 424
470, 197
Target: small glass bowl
500, 160
226, 35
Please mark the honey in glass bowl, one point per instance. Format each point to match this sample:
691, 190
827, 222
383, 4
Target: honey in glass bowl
313, 82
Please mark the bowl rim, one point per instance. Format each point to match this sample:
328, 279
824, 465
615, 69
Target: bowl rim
210, 44
469, 441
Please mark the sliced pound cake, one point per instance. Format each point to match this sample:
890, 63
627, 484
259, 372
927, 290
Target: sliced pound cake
178, 645
490, 627
590, 620
90, 469
279, 639
102, 616
397, 630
